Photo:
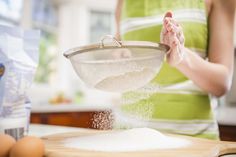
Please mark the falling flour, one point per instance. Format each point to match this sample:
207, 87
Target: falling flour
127, 81
103, 120
137, 139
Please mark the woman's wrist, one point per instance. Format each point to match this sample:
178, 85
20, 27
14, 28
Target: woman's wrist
185, 60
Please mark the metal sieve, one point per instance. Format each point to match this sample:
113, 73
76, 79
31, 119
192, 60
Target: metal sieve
117, 66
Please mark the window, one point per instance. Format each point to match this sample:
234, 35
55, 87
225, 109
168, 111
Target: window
44, 18
44, 12
47, 59
10, 11
100, 25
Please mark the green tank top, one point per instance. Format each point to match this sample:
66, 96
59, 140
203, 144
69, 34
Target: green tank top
179, 106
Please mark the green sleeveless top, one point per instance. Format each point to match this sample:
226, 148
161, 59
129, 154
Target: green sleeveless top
179, 106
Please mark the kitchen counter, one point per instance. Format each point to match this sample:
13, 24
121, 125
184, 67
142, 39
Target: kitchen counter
44, 130
225, 114
82, 116
227, 123
68, 108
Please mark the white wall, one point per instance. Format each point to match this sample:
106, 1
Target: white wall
73, 30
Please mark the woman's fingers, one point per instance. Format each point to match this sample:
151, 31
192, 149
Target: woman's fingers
177, 53
172, 35
167, 37
174, 21
171, 25
181, 38
168, 14
171, 29
163, 35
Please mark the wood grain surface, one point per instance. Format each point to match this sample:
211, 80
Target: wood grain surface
198, 148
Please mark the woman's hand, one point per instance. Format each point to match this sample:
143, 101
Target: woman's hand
173, 36
213, 75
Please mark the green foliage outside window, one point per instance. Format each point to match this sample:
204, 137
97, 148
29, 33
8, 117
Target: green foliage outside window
47, 58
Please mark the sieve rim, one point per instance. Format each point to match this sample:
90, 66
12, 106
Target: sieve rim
123, 44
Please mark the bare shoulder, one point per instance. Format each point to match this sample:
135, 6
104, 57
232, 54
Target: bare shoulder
221, 26
208, 4
224, 5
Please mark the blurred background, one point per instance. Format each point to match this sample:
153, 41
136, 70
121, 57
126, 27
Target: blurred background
63, 24
57, 95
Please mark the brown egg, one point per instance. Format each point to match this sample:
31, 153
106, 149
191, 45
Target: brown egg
28, 146
6, 143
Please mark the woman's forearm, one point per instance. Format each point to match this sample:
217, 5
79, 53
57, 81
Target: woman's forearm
211, 77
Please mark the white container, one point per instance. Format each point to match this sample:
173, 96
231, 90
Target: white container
18, 63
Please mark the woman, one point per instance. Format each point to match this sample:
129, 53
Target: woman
198, 67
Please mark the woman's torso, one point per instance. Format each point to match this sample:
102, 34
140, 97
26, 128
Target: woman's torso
180, 106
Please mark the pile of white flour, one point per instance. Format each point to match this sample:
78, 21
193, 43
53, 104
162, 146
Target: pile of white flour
136, 139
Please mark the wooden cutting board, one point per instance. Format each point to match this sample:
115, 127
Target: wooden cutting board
198, 148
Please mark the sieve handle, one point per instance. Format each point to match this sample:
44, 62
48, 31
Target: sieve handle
109, 37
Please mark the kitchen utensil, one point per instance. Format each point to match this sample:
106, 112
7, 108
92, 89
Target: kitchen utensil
117, 66
198, 148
